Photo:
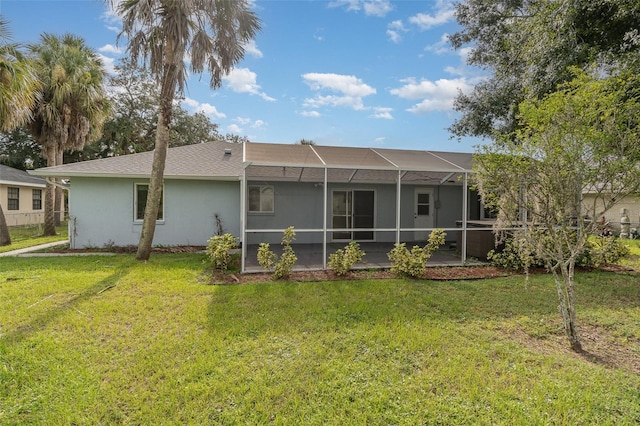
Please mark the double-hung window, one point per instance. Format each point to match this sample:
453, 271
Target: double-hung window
261, 199
37, 199
140, 202
13, 195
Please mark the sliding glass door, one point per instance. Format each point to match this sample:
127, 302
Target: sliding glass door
353, 209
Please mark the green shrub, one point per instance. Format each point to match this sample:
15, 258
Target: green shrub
266, 258
342, 260
282, 266
218, 249
414, 263
603, 250
513, 257
599, 251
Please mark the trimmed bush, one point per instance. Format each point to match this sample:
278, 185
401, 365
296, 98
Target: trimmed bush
280, 266
342, 260
414, 263
218, 249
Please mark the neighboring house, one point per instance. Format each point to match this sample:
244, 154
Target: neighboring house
21, 197
628, 207
255, 190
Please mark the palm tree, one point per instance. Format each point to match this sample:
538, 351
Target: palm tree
72, 105
162, 34
18, 87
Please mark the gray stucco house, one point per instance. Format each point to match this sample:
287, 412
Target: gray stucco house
331, 195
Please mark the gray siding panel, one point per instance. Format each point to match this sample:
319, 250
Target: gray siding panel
102, 211
300, 204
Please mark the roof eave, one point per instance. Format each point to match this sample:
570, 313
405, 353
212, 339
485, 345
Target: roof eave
69, 175
18, 183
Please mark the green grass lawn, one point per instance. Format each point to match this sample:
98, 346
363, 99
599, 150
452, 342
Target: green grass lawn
106, 340
29, 236
634, 259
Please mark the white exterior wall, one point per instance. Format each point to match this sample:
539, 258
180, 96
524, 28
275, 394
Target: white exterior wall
102, 212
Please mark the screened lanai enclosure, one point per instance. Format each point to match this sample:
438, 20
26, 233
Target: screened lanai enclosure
334, 195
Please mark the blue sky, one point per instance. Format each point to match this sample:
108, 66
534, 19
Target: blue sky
371, 73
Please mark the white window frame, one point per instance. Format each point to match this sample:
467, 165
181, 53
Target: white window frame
262, 202
16, 198
34, 199
135, 204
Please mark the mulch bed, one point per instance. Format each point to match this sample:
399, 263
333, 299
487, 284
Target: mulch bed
436, 273
433, 273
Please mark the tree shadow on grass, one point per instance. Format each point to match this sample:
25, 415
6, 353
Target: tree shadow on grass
41, 321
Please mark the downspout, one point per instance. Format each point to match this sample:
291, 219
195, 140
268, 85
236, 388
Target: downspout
71, 225
465, 202
324, 221
243, 213
53, 182
398, 199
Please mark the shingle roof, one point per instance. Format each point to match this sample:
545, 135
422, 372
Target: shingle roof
200, 161
9, 175
279, 162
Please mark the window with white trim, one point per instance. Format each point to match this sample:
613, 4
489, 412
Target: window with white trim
140, 202
37, 199
13, 198
261, 199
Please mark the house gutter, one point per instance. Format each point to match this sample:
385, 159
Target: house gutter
50, 181
243, 209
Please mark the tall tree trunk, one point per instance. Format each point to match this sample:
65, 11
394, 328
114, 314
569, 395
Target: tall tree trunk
49, 193
57, 206
155, 188
5, 238
167, 94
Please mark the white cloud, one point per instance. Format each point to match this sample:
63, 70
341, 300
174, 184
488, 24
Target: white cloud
242, 120
444, 12
394, 30
243, 80
382, 112
312, 114
371, 7
109, 64
440, 47
252, 49
436, 95
350, 90
334, 101
347, 84
245, 121
111, 18
205, 108
352, 5
110, 48
377, 8
234, 128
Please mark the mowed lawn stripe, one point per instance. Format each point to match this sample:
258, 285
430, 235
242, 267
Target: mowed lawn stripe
105, 340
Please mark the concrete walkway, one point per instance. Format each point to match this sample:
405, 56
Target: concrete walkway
32, 249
